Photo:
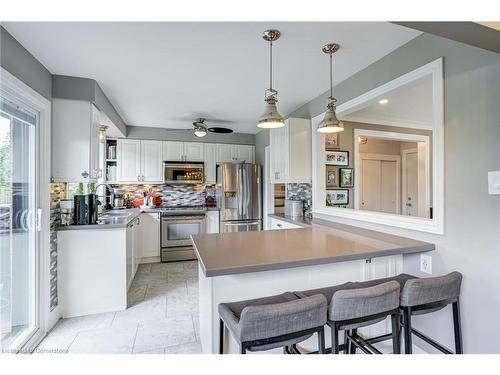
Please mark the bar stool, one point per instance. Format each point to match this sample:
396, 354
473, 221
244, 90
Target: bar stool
421, 296
351, 309
273, 322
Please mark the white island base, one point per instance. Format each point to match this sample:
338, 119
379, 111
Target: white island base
232, 288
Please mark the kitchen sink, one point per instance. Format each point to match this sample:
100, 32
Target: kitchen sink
115, 214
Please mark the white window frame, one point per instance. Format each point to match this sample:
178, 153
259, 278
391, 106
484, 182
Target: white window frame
45, 319
434, 225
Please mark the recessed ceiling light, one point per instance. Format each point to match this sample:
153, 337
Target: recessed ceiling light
383, 101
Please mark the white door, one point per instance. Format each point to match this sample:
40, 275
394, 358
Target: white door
212, 222
149, 245
224, 153
151, 161
279, 154
129, 160
243, 153
173, 151
210, 162
410, 181
129, 237
19, 237
193, 151
379, 185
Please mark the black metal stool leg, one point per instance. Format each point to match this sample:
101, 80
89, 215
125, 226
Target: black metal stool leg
395, 334
335, 338
407, 329
221, 336
457, 328
321, 341
352, 349
243, 348
346, 342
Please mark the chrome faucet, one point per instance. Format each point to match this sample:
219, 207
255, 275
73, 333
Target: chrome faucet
104, 195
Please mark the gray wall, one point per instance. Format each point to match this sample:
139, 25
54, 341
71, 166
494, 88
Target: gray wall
67, 87
20, 63
471, 243
187, 136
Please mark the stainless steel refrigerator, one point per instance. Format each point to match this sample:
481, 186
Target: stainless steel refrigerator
239, 197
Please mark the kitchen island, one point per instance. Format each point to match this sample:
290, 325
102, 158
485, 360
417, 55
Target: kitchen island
245, 265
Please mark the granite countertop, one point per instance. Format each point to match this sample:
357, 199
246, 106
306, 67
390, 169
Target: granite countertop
244, 252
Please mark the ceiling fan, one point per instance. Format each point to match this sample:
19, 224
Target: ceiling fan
201, 129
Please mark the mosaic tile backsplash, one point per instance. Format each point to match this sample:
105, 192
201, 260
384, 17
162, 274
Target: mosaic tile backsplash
172, 195
301, 192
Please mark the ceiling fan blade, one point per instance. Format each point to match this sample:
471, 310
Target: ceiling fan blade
220, 130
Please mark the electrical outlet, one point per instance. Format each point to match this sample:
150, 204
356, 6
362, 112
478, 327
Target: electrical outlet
426, 264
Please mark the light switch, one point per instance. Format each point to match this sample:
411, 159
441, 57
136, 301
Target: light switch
494, 183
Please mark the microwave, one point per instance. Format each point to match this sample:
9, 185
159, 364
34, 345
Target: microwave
182, 172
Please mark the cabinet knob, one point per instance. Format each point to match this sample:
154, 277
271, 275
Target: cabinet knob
279, 225
85, 174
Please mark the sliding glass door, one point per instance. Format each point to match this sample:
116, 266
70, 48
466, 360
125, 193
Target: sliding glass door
18, 223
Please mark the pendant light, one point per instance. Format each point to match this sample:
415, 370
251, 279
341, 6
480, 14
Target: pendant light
330, 123
271, 118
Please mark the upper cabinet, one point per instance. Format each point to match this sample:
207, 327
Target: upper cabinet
139, 161
210, 162
75, 141
182, 151
291, 152
227, 153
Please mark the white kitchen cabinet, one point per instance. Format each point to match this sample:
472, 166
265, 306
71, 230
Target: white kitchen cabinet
212, 222
224, 153
149, 244
291, 152
75, 141
210, 160
193, 151
139, 161
132, 249
281, 224
152, 161
227, 153
128, 160
182, 151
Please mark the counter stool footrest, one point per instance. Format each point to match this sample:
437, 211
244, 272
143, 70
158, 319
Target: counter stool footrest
362, 344
430, 341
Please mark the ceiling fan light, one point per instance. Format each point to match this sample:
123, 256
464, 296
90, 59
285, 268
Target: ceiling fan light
200, 131
271, 119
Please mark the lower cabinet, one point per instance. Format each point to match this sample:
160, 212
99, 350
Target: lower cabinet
149, 245
212, 222
281, 224
132, 249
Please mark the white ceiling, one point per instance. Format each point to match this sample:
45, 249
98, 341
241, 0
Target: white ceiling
167, 74
407, 106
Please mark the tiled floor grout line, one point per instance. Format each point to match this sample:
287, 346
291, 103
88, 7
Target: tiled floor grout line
135, 338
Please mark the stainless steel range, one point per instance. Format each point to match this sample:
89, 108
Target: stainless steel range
177, 226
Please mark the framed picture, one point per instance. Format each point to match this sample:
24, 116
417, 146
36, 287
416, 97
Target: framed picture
346, 177
331, 177
337, 158
337, 197
332, 141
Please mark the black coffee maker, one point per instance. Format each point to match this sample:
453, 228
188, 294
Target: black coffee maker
85, 209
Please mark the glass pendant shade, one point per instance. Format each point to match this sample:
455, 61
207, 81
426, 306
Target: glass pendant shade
271, 119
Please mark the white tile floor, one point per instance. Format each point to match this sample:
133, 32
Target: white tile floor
162, 317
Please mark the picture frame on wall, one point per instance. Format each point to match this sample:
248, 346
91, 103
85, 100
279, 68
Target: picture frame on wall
337, 197
346, 177
331, 177
331, 141
340, 158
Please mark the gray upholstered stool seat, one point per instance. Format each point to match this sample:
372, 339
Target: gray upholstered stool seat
353, 308
275, 321
426, 295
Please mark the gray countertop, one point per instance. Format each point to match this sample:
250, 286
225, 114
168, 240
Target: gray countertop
323, 242
302, 220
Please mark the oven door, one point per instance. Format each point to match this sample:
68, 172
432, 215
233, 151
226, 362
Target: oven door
176, 231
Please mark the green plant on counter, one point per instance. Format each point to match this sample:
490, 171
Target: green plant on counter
79, 190
91, 187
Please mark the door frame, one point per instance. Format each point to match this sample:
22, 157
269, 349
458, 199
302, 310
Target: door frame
44, 317
357, 188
